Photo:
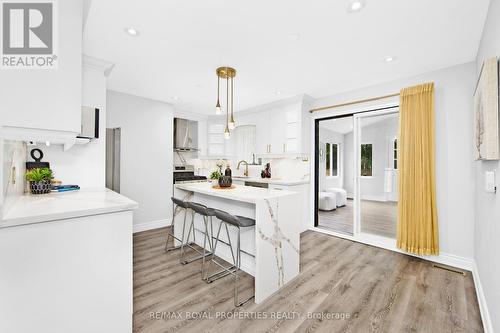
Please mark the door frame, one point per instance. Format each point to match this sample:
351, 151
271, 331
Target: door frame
387, 108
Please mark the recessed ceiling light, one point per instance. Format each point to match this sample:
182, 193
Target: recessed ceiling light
355, 5
389, 59
278, 92
175, 98
132, 31
293, 37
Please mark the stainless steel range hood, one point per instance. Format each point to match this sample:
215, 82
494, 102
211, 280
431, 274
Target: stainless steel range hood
185, 135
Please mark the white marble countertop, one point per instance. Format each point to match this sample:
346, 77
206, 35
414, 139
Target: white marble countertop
275, 181
30, 209
238, 193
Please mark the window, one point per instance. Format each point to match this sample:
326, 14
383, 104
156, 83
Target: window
395, 154
366, 159
328, 154
335, 160
332, 159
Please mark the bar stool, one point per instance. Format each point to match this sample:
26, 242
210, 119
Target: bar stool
180, 205
238, 222
207, 214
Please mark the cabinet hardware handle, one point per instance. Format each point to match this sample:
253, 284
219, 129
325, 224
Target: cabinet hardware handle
284, 147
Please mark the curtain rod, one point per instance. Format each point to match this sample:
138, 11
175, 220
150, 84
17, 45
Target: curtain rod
353, 102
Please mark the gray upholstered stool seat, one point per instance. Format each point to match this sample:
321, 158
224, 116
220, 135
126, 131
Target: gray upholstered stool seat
201, 209
180, 203
238, 222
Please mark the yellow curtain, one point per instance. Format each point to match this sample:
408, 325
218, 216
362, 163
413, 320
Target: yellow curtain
417, 213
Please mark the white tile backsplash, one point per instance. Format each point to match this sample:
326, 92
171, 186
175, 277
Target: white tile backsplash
281, 168
13, 170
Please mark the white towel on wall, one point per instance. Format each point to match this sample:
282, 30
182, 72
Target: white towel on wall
388, 178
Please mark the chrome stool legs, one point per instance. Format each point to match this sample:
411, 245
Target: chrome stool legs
233, 269
202, 254
177, 210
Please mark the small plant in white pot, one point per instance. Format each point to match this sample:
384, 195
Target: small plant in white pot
214, 176
40, 180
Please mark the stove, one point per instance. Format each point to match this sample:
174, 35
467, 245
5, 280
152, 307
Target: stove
185, 174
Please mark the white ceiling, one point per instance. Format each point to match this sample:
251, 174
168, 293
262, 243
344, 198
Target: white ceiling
181, 43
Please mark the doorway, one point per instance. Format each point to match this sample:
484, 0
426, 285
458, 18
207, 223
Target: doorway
113, 154
356, 173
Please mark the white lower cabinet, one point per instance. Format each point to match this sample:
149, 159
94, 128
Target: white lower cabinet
72, 275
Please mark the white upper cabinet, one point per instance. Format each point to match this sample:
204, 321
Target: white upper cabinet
281, 128
48, 99
287, 122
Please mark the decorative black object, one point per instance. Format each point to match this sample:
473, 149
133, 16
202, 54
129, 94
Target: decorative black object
225, 181
267, 171
263, 174
228, 171
38, 160
45, 186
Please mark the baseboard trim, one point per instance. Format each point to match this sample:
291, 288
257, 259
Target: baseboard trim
483, 307
151, 225
451, 260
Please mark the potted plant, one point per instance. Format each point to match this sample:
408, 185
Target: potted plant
214, 176
220, 164
40, 180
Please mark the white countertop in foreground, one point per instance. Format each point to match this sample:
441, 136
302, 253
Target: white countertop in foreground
30, 209
239, 193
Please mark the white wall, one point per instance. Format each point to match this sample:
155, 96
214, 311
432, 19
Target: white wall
83, 165
454, 165
487, 205
146, 154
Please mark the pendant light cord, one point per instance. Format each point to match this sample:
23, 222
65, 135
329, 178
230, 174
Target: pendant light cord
232, 105
227, 102
218, 88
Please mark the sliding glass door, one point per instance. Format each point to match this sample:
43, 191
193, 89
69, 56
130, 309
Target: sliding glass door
376, 169
336, 175
356, 166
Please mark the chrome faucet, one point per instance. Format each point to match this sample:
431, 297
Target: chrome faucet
246, 167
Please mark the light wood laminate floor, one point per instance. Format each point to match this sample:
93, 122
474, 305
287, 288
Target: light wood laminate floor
371, 289
377, 217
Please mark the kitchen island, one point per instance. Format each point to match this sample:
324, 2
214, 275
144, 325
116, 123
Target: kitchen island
271, 249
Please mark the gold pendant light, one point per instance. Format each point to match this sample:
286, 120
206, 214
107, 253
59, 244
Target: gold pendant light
227, 73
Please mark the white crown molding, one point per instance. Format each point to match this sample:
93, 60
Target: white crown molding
101, 65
